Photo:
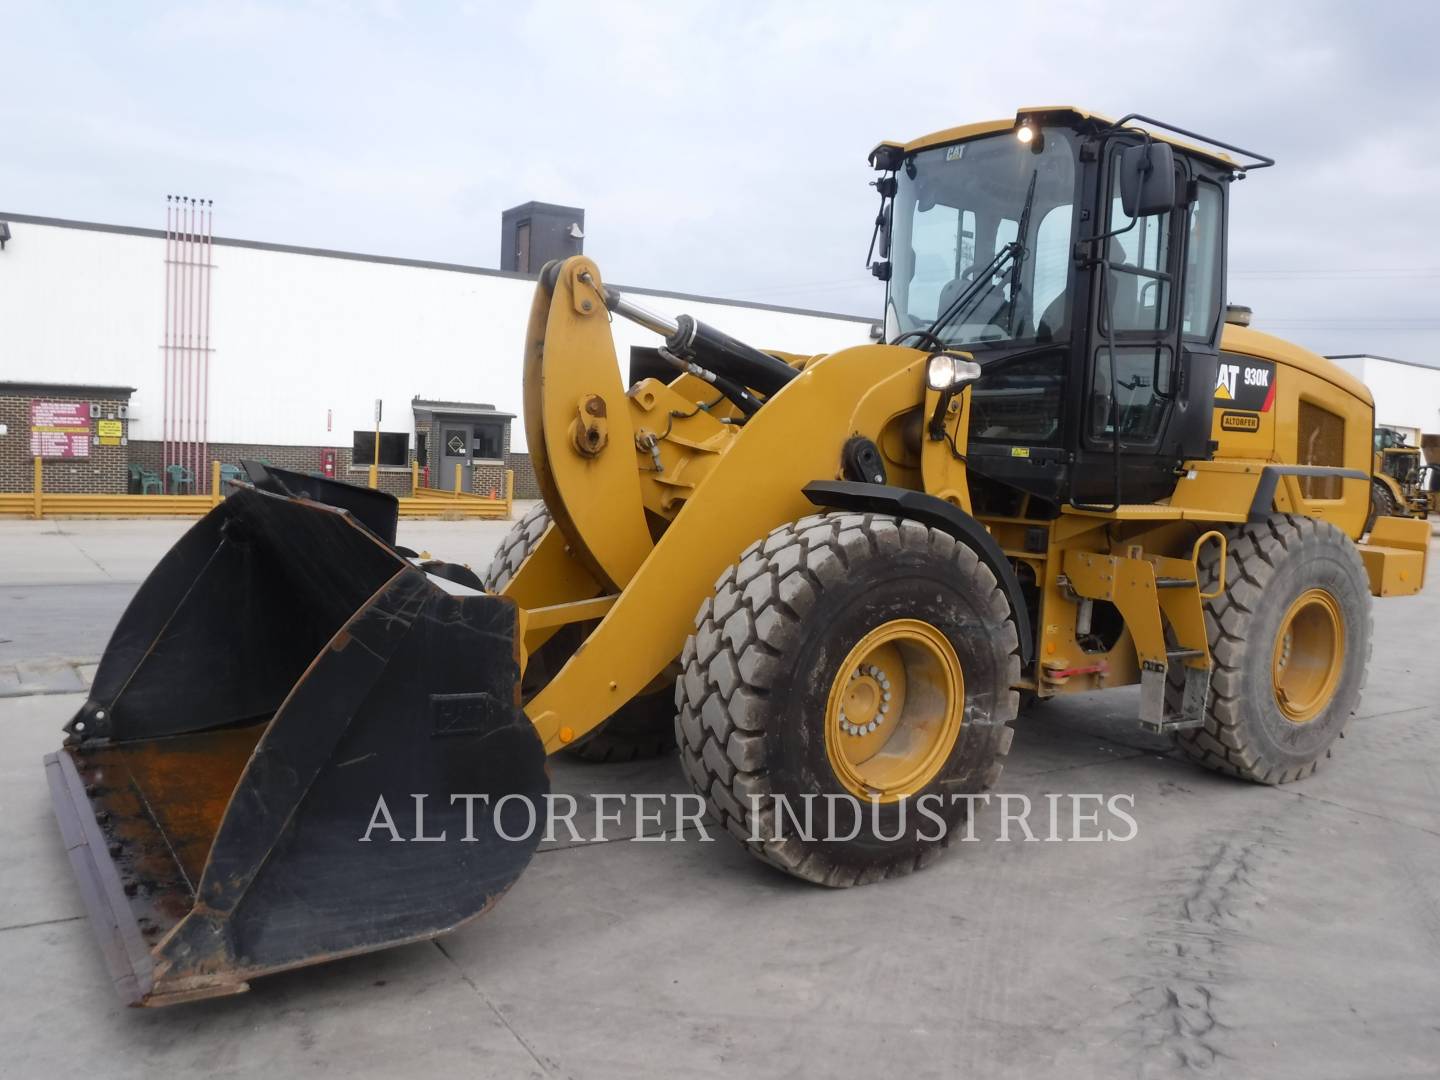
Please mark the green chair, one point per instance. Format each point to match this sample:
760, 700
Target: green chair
144, 482
180, 480
228, 473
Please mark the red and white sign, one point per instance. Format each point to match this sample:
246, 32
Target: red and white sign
59, 429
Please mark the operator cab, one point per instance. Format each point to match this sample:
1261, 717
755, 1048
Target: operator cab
1389, 439
1081, 261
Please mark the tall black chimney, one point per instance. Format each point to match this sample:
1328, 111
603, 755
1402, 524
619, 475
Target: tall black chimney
533, 233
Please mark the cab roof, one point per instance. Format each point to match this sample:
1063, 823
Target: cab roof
1073, 114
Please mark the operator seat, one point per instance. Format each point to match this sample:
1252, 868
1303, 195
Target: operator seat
985, 312
1053, 324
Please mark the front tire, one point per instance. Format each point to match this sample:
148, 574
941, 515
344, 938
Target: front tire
641, 728
1290, 640
893, 621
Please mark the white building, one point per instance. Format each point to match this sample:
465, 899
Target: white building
301, 344
1407, 396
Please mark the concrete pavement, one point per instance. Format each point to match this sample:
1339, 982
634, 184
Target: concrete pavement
1244, 931
65, 583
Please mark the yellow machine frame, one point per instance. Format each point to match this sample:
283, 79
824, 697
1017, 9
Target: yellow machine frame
794, 545
617, 466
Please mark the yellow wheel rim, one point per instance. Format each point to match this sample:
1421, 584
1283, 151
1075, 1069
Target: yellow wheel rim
894, 710
1309, 653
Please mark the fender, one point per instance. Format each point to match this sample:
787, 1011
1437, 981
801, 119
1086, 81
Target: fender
937, 513
1263, 504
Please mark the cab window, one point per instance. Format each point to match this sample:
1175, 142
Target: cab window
1202, 264
1139, 297
938, 252
1132, 363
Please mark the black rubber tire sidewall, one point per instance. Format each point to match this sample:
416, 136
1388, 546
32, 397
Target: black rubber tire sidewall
908, 585
1278, 740
641, 728
1382, 504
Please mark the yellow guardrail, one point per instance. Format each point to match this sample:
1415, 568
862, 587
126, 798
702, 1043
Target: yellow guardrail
426, 502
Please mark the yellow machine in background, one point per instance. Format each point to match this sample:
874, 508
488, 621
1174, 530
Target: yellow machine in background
830, 576
1402, 485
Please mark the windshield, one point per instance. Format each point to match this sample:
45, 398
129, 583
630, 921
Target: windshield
956, 210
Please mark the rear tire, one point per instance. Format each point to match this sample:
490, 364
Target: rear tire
642, 728
756, 702
1292, 585
1382, 504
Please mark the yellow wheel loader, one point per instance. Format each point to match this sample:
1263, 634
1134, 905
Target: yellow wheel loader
1402, 484
1062, 471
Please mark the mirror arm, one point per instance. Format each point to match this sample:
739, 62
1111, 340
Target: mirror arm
887, 186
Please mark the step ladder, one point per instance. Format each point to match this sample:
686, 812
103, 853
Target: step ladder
1156, 594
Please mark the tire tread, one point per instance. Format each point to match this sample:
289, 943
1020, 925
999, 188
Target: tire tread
1256, 553
731, 670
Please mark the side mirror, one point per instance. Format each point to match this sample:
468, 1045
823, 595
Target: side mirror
1147, 179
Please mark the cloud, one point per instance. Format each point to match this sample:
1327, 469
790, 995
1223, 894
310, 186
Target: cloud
720, 147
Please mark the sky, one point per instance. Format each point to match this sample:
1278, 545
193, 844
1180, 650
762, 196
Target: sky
720, 148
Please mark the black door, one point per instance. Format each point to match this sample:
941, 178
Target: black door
1134, 374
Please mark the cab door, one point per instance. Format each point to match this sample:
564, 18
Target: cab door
1133, 353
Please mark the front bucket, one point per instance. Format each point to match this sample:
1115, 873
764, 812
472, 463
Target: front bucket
284, 709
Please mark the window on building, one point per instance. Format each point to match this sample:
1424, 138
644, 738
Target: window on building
394, 448
489, 440
421, 447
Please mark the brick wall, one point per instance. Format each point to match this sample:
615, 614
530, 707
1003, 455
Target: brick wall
301, 458
388, 478
488, 476
524, 469
104, 472
148, 455
308, 459
422, 427
483, 476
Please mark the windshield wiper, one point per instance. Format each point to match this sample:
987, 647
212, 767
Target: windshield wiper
981, 287
1022, 232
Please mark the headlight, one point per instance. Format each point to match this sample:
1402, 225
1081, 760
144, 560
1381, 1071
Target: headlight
946, 370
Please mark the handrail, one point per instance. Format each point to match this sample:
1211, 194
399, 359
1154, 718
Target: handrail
1195, 561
